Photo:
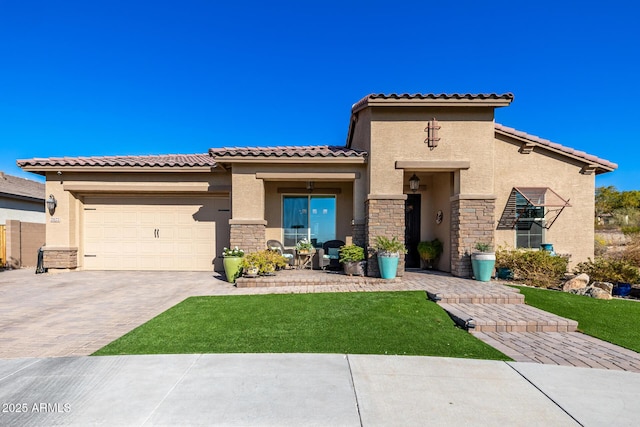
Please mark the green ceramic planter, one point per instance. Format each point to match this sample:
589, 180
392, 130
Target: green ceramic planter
232, 268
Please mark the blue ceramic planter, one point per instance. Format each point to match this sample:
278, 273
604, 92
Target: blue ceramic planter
388, 266
482, 264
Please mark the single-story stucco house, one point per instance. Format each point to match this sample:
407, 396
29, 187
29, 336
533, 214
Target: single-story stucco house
473, 181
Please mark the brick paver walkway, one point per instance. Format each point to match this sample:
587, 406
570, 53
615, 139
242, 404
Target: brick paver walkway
66, 314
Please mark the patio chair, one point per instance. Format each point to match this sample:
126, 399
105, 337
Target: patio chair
328, 256
289, 254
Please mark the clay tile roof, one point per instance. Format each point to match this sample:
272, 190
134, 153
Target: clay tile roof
163, 160
15, 186
545, 142
287, 152
433, 96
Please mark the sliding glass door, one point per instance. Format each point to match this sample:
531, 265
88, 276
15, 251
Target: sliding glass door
308, 217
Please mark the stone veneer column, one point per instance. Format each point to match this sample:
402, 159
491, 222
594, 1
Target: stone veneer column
59, 257
359, 233
384, 217
248, 235
472, 221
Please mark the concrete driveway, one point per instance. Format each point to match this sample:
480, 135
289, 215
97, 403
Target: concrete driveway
77, 313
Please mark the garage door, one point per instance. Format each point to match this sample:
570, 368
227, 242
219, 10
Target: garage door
154, 233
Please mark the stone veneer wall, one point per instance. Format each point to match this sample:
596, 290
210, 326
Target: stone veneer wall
384, 217
472, 221
66, 258
359, 233
248, 237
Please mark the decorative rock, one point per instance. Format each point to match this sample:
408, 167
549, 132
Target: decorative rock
579, 282
597, 293
605, 286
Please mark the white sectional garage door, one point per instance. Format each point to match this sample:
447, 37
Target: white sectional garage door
153, 233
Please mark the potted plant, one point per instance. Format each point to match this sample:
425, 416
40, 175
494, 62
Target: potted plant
429, 252
483, 262
264, 262
389, 251
505, 262
232, 263
304, 246
352, 259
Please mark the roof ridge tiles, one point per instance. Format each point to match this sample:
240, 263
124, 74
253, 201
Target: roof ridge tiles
545, 142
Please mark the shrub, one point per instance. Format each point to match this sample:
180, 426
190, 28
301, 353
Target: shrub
599, 246
535, 268
631, 252
430, 250
483, 247
351, 253
630, 230
267, 261
390, 246
609, 270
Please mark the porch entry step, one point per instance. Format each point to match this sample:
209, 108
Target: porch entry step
507, 318
483, 295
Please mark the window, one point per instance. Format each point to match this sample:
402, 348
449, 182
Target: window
308, 217
530, 224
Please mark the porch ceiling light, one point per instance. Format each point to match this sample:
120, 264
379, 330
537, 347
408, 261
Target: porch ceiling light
51, 204
414, 183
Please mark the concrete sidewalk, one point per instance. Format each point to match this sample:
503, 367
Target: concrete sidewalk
310, 389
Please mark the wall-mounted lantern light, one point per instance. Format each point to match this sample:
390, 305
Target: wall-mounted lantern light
414, 183
51, 204
310, 185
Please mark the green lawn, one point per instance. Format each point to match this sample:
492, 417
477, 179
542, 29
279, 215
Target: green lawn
356, 323
615, 321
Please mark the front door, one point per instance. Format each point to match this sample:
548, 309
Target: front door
412, 230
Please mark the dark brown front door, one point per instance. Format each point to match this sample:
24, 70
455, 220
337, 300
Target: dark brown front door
412, 230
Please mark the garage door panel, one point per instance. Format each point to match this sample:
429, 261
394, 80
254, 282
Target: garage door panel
152, 233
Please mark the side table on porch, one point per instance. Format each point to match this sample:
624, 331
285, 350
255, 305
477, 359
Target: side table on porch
303, 259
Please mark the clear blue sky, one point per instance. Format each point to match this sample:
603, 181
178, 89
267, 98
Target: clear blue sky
83, 78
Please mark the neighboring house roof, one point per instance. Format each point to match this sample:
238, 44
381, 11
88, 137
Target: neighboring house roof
14, 186
417, 99
291, 152
152, 161
600, 165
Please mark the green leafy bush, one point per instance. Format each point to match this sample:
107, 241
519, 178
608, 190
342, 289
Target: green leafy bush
630, 230
483, 247
267, 261
535, 268
609, 270
430, 250
389, 246
351, 253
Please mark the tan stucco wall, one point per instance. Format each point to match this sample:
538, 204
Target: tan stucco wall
247, 197
399, 135
573, 231
63, 226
